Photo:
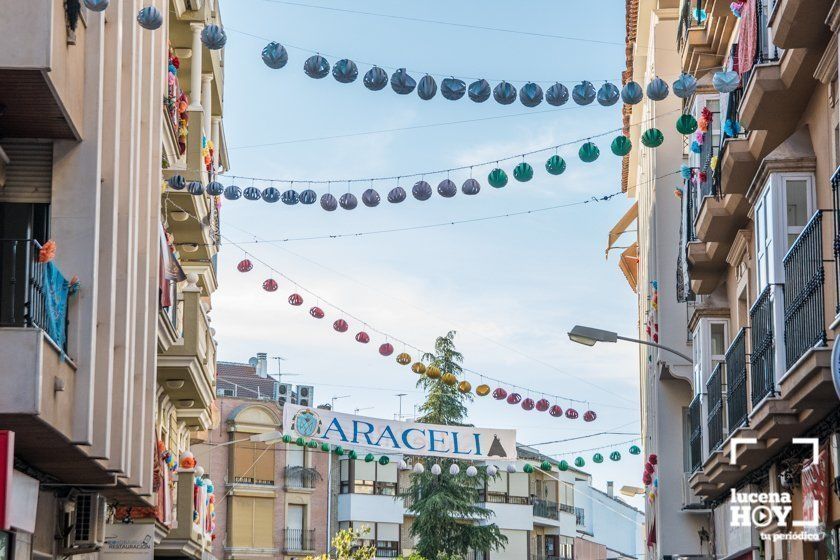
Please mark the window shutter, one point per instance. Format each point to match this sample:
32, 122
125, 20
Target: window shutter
29, 172
264, 465
264, 522
242, 522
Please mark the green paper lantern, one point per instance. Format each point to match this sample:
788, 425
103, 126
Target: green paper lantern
546, 466
338, 450
621, 146
598, 458
564, 465
555, 165
312, 444
384, 460
300, 441
589, 152
353, 455
325, 447
528, 469
497, 178
287, 439
523, 172
369, 458
686, 124
653, 138
615, 456
579, 462
634, 450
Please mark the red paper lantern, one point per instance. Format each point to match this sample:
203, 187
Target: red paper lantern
270, 285
542, 405
361, 336
499, 394
589, 416
514, 398
653, 459
341, 326
571, 414
244, 265
555, 411
317, 312
295, 299
386, 349
528, 404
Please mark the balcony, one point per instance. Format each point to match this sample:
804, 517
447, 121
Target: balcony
43, 85
299, 541
736, 381
695, 441
580, 517
193, 222
502, 498
300, 477
703, 44
762, 359
546, 509
714, 422
187, 370
190, 536
720, 217
793, 22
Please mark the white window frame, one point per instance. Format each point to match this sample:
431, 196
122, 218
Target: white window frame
703, 360
771, 229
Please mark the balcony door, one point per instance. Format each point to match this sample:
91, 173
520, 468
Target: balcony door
20, 225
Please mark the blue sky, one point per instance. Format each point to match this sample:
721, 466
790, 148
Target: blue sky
518, 282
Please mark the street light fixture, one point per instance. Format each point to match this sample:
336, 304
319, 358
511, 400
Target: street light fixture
588, 336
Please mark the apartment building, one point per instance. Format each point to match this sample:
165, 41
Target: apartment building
607, 527
273, 498
108, 361
754, 301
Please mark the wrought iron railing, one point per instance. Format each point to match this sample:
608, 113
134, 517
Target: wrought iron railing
765, 50
804, 292
714, 423
502, 498
695, 433
298, 540
736, 381
689, 17
300, 477
835, 192
24, 297
762, 369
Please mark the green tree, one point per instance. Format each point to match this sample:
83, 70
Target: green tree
448, 523
346, 547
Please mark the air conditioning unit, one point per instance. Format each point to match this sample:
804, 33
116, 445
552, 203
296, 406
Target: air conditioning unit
284, 393
82, 523
306, 395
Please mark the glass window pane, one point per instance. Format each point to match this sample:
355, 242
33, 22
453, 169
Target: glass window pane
797, 202
718, 332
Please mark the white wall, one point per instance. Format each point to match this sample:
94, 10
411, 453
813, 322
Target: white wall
364, 507
516, 548
610, 522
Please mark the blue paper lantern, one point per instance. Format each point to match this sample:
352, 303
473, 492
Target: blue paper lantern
195, 188
232, 192
370, 198
557, 95
177, 182
213, 37
316, 66
726, 81
447, 188
375, 79
214, 188
470, 187
608, 95
345, 71
96, 5
453, 89
531, 94
396, 195
348, 201
427, 88
479, 91
252, 193
402, 83
150, 18
308, 197
274, 55
657, 89
684, 86
328, 202
504, 93
271, 195
632, 93
584, 93
421, 190
290, 197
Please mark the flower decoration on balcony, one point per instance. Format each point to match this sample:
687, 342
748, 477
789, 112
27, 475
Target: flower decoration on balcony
47, 252
403, 359
214, 37
295, 299
737, 7
316, 312
340, 325
386, 349
274, 55
696, 148
584, 93
187, 460
150, 18
447, 188
427, 88
504, 93
345, 71
270, 285
731, 128
361, 336
531, 94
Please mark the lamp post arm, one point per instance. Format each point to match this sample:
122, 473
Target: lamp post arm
655, 345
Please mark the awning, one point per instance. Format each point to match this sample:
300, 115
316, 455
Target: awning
618, 230
628, 262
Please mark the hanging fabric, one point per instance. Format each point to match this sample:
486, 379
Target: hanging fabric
748, 37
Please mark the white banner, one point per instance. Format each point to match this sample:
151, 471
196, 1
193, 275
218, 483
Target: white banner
392, 436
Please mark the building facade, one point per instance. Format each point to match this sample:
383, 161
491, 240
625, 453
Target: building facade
607, 526
108, 357
754, 301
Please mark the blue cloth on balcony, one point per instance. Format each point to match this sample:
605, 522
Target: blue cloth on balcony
56, 292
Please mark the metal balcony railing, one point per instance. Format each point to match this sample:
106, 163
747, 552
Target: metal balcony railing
765, 50
502, 498
714, 424
545, 557
298, 540
26, 299
545, 508
762, 368
695, 441
835, 197
689, 13
736, 381
300, 477
804, 292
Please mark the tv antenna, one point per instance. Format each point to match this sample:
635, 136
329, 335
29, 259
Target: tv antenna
280, 374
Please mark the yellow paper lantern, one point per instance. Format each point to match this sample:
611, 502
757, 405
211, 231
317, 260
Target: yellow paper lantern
403, 359
464, 386
482, 390
433, 372
449, 379
418, 368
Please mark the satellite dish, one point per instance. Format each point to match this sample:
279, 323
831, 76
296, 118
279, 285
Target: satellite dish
252, 362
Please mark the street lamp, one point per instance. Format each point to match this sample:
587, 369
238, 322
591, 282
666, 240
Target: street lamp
588, 336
